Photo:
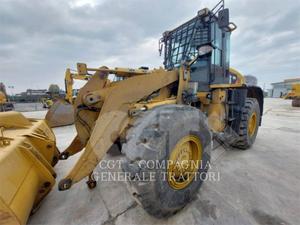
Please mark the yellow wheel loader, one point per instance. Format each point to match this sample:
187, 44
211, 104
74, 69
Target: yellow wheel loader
5, 105
47, 103
294, 94
61, 112
165, 117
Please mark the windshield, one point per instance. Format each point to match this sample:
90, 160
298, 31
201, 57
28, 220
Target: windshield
181, 44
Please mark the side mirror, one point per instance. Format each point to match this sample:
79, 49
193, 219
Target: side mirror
223, 18
204, 50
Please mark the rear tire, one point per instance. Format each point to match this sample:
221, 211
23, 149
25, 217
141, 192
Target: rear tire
296, 102
152, 138
248, 128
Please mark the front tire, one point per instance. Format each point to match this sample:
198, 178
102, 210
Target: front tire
155, 137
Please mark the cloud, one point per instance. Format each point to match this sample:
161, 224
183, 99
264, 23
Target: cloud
40, 39
267, 41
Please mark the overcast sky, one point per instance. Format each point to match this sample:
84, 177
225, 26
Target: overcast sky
40, 39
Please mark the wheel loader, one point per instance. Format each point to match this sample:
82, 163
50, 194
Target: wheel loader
5, 105
167, 115
47, 103
294, 94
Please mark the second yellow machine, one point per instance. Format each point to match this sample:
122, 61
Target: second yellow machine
294, 94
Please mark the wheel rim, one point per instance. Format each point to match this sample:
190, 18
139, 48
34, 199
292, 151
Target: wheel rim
252, 124
184, 162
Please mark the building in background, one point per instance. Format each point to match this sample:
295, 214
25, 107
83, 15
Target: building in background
31, 95
281, 88
35, 95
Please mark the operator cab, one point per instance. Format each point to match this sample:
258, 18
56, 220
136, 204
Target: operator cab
206, 37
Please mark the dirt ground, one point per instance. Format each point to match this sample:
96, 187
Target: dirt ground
257, 186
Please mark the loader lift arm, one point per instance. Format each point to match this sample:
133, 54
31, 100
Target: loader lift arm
110, 106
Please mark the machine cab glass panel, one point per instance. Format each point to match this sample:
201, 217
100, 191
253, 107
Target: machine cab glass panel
182, 43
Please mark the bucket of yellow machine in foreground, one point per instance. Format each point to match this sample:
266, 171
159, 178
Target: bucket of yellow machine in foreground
61, 113
27, 155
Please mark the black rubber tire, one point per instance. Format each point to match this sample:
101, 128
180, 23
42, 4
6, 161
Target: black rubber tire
296, 102
245, 141
152, 137
115, 149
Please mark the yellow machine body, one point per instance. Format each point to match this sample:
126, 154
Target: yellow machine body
98, 130
2, 98
27, 155
111, 106
296, 89
5, 105
47, 102
294, 94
